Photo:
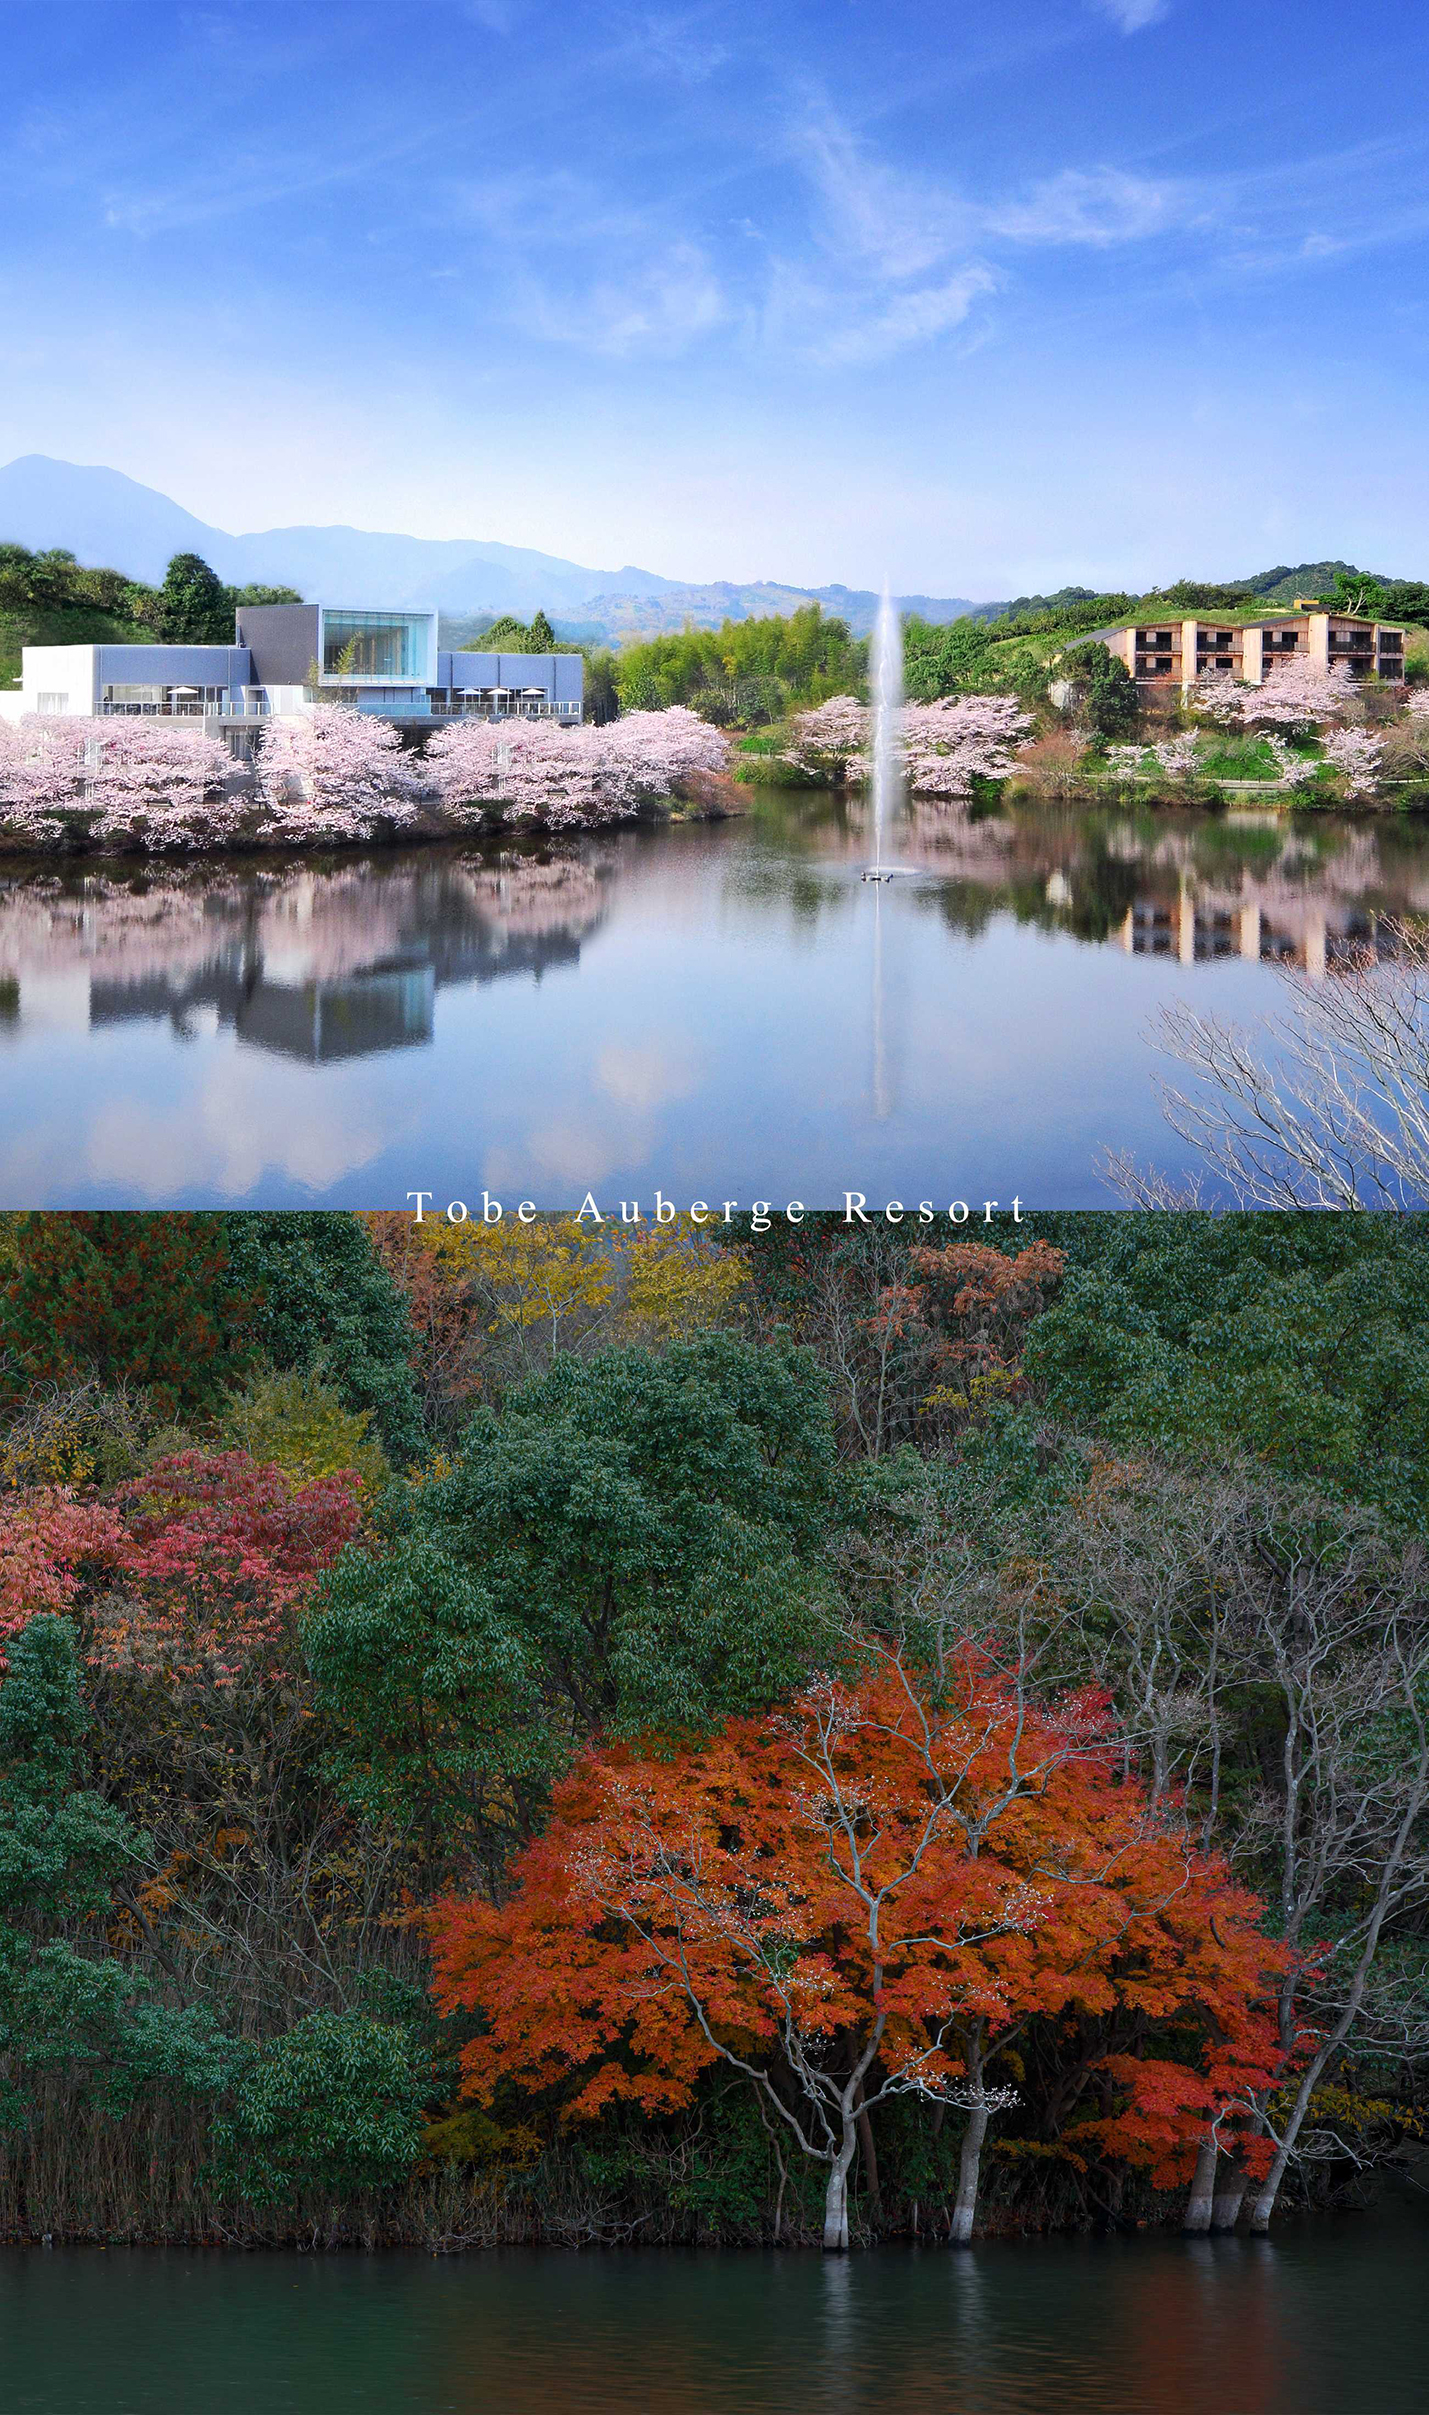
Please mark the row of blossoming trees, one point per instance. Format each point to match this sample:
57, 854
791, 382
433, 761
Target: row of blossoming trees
335, 777
950, 745
808, 1778
944, 746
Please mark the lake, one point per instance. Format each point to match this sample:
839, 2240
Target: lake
1326, 2316
726, 1011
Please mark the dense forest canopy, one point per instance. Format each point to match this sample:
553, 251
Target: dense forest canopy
407, 1632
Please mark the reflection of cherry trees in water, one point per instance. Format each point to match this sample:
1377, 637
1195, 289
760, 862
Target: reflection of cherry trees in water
1193, 886
293, 923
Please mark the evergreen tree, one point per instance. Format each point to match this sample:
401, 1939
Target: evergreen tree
195, 608
1109, 688
320, 1297
140, 1298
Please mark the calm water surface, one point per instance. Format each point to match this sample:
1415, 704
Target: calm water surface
726, 1011
1325, 2318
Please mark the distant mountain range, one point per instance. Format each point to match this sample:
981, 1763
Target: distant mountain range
108, 520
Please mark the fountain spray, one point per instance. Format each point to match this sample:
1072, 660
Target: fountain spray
887, 668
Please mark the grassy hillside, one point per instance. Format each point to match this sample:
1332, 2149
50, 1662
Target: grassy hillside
50, 599
82, 625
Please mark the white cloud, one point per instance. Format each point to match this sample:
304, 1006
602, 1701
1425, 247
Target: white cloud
1132, 15
838, 328
661, 308
896, 224
915, 254
1104, 206
663, 44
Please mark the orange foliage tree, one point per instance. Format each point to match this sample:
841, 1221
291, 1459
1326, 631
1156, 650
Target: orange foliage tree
867, 1895
964, 1310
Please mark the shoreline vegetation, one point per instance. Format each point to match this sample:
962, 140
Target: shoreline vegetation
117, 786
593, 1736
1022, 700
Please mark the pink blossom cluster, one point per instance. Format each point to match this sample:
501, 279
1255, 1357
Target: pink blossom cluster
571, 778
1292, 771
1179, 758
945, 746
1219, 695
1297, 693
1356, 755
948, 745
336, 776
1418, 702
831, 741
132, 780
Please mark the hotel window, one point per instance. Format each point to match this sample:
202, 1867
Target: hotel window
49, 702
376, 645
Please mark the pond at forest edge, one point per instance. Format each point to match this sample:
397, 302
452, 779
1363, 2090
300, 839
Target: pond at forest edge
726, 1011
1329, 2314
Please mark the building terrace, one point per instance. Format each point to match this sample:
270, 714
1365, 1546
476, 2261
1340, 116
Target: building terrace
286, 657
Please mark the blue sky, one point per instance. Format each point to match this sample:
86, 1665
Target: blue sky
980, 297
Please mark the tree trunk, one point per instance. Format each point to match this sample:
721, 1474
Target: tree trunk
1264, 2205
870, 2161
836, 2201
1197, 2218
1229, 2198
969, 2163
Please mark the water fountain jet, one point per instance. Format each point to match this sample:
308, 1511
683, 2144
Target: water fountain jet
887, 683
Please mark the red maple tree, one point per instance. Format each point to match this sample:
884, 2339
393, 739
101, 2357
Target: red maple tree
867, 1894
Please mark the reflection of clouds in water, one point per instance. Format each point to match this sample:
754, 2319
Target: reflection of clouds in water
570, 1153
582, 1145
241, 1126
647, 1073
339, 1033
228, 1129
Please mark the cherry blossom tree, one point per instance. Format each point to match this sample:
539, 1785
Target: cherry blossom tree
1297, 693
1219, 695
831, 741
945, 746
1179, 758
1292, 771
117, 779
337, 775
571, 778
1356, 754
656, 751
960, 739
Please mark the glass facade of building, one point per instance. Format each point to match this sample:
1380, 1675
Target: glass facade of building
377, 645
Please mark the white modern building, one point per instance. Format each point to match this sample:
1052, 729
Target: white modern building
387, 663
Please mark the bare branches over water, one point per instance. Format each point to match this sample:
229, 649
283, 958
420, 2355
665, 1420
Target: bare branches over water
1340, 1120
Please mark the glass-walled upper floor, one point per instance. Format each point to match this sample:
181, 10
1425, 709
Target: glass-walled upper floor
378, 645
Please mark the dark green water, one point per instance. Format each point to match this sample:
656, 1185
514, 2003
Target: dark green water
1328, 2316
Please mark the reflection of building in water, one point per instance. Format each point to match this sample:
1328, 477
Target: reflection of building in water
1182, 893
319, 966
387, 1006
1196, 927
